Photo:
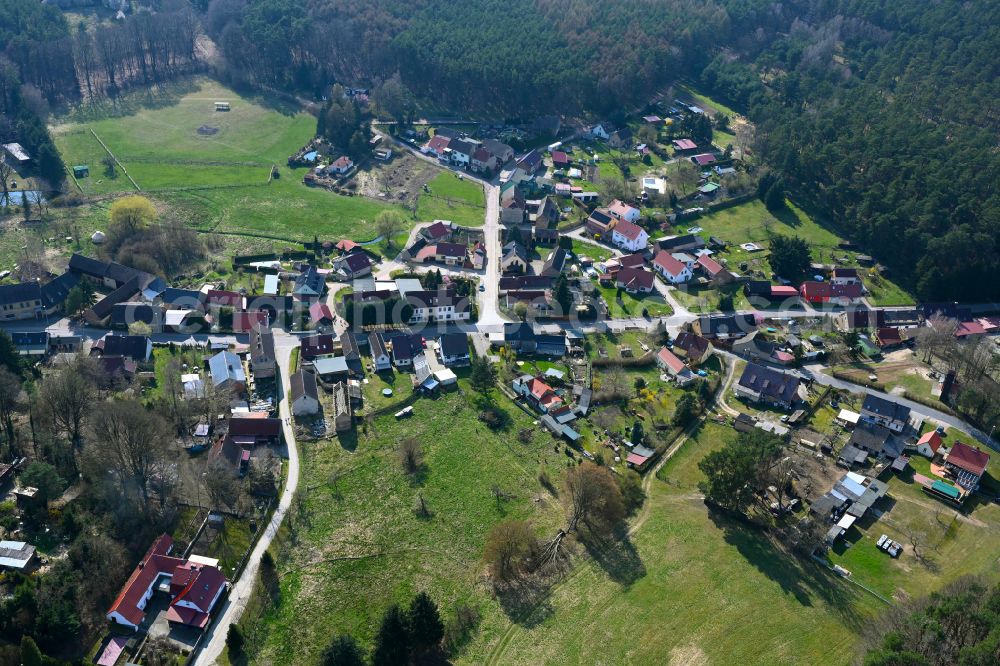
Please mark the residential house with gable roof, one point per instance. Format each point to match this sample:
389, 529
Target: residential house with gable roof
967, 464
670, 269
881, 411
762, 384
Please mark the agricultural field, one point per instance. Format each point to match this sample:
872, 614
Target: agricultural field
212, 169
358, 549
691, 588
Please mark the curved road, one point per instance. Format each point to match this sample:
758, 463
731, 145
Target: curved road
232, 609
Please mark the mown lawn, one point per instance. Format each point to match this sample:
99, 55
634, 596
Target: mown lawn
693, 589
951, 544
633, 305
451, 198
220, 181
360, 545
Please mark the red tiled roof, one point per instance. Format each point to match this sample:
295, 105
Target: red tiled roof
225, 298
629, 230
684, 144
811, 290
620, 209
200, 585
704, 158
931, 439
320, 311
245, 321
783, 292
559, 157
669, 359
438, 143
437, 230
156, 561
668, 263
711, 265
342, 162
969, 328
346, 245
266, 427
632, 260
968, 458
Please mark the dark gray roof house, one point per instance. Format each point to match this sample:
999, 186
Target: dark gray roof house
54, 293
135, 347
768, 385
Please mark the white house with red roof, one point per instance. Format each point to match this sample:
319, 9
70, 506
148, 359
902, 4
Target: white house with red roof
341, 165
967, 464
436, 146
194, 588
629, 236
539, 394
929, 443
670, 269
675, 367
623, 211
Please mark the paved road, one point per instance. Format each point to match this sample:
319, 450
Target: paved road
490, 319
215, 638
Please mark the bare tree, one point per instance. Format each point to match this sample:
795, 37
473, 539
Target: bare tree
223, 485
686, 176
69, 396
937, 338
593, 499
11, 401
135, 443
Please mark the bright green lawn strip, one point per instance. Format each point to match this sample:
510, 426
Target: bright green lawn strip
595, 252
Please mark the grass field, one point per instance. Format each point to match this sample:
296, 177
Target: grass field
451, 198
695, 590
633, 305
360, 546
219, 181
752, 222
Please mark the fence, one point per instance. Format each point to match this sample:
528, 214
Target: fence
120, 165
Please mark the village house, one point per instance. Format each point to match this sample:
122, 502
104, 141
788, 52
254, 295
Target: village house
703, 159
694, 348
602, 131
55, 291
340, 166
828, 292
227, 372
929, 443
670, 269
621, 138
762, 384
404, 348
21, 301
438, 231
518, 282
136, 347
321, 315
244, 321
483, 161
461, 151
437, 145
600, 223
635, 280
380, 354
876, 441
537, 393
756, 347
629, 236
841, 275
331, 368
888, 338
684, 145
440, 305
450, 254
521, 337
515, 258
555, 262
724, 326
667, 361
454, 349
716, 272
967, 464
309, 284
353, 265
560, 160
304, 393
879, 411
500, 150
313, 346
531, 162
30, 343
218, 298
262, 358
194, 588
252, 432
622, 211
